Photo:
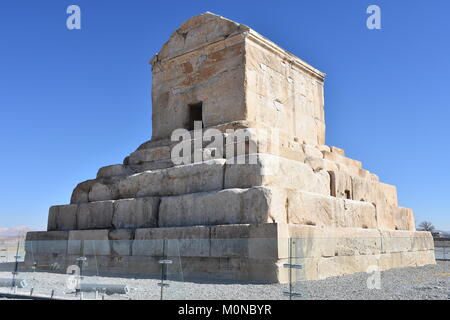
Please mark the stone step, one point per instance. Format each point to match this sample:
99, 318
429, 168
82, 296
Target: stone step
344, 185
259, 250
313, 242
240, 172
229, 206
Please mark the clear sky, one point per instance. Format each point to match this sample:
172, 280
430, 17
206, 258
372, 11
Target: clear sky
74, 101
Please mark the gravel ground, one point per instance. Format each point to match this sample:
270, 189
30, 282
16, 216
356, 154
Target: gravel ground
428, 282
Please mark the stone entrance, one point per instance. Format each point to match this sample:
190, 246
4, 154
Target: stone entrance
230, 77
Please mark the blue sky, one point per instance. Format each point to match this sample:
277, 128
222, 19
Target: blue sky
73, 101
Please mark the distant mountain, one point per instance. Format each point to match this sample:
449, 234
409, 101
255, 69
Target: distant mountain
7, 233
447, 233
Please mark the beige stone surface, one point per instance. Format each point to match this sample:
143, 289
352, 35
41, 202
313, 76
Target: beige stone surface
62, 218
270, 170
206, 176
121, 241
230, 206
81, 192
153, 154
187, 241
100, 192
95, 215
89, 242
136, 213
114, 170
48, 242
341, 185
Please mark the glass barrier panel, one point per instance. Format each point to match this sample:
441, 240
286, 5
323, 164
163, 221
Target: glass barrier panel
223, 269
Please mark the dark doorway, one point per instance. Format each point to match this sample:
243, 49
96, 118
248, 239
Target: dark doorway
195, 114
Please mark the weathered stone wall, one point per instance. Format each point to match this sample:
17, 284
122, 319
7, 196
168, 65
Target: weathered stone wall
283, 92
204, 61
237, 74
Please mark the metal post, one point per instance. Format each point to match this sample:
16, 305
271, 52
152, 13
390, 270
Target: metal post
163, 269
80, 261
290, 269
291, 266
163, 263
16, 266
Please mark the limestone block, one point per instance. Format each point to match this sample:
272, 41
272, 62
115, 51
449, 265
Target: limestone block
198, 177
114, 170
153, 165
358, 242
425, 257
294, 152
151, 154
422, 240
357, 165
95, 215
312, 247
81, 192
372, 191
62, 218
338, 151
89, 242
396, 241
364, 190
256, 241
318, 164
121, 241
362, 173
389, 193
341, 185
350, 165
408, 259
46, 242
312, 130
324, 148
100, 192
316, 242
51, 221
341, 265
403, 218
309, 242
270, 170
186, 241
309, 269
230, 206
237, 247
353, 171
312, 151
354, 214
310, 209
390, 260
332, 156
136, 213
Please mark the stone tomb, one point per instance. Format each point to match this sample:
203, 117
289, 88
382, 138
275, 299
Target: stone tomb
235, 219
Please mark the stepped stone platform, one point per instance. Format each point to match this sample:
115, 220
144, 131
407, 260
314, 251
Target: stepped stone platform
234, 212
